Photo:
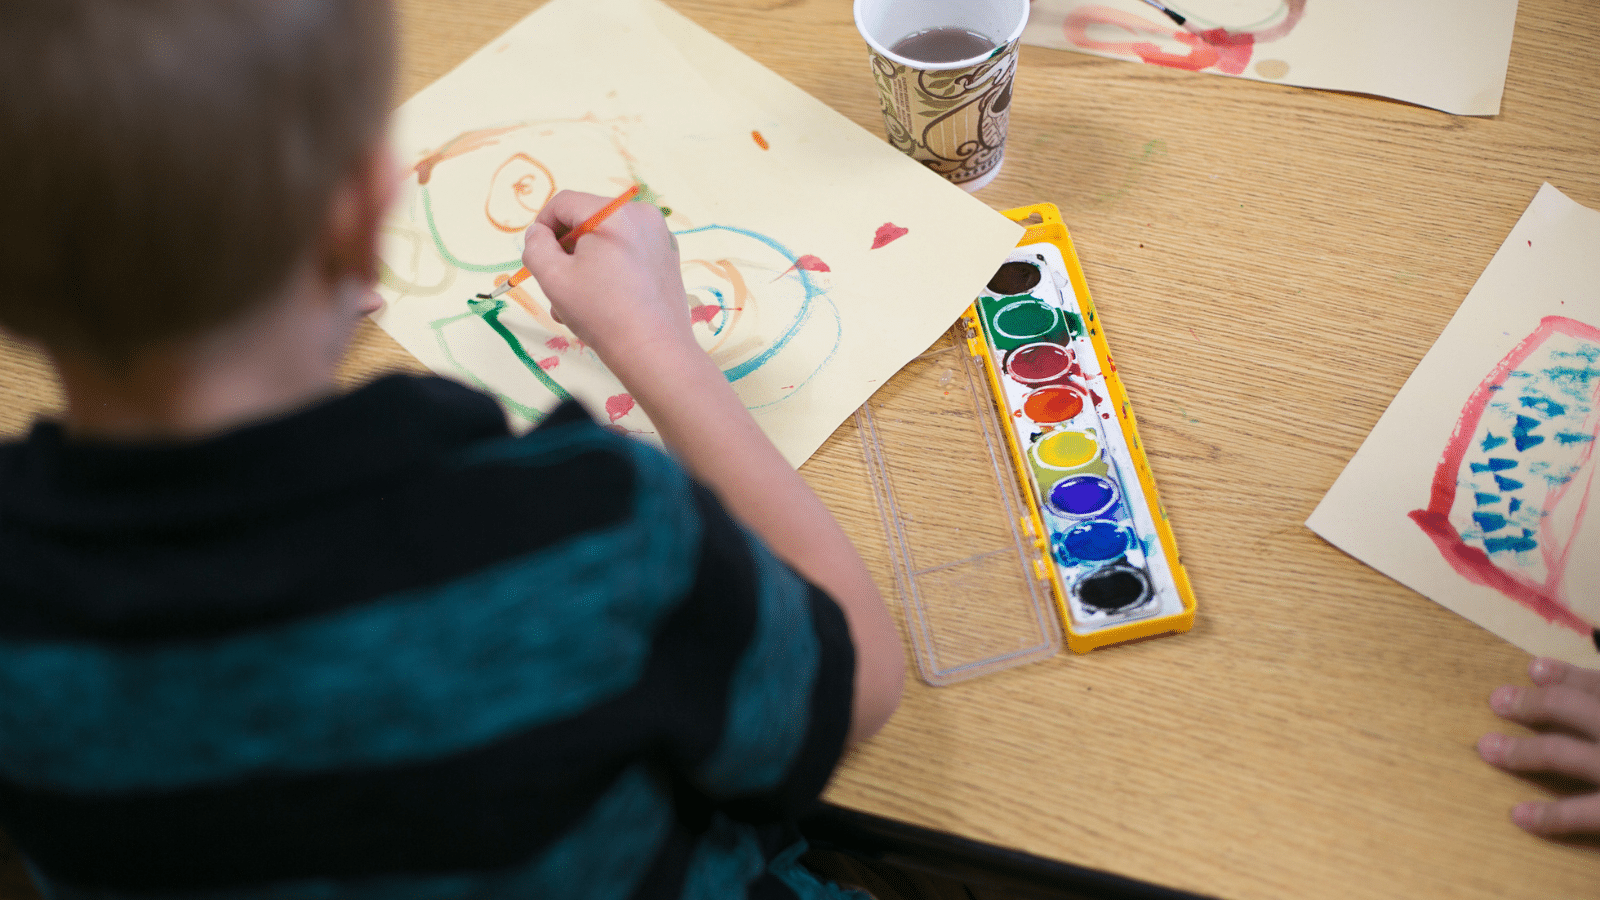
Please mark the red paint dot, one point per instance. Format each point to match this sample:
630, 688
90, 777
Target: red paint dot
558, 344
1039, 363
760, 141
619, 406
549, 362
704, 314
811, 264
887, 234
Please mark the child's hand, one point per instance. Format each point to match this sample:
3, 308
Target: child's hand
621, 289
1567, 698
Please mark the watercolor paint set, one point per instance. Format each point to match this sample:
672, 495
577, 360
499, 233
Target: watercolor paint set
1060, 514
1113, 560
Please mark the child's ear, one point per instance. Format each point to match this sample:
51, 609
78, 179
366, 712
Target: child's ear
355, 217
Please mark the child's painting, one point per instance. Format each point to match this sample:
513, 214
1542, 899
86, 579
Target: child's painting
1510, 500
817, 260
1451, 55
1479, 486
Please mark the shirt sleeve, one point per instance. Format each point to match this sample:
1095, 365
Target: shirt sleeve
757, 670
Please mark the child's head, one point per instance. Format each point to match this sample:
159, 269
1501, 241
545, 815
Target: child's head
168, 164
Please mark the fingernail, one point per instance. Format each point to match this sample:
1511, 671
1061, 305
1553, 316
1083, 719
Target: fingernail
1526, 815
1503, 700
1542, 668
1492, 745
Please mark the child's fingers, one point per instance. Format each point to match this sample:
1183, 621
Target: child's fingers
541, 250
1561, 704
1547, 672
568, 209
1574, 815
1557, 753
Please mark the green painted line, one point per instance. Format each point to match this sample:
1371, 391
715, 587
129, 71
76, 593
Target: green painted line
490, 310
438, 243
439, 335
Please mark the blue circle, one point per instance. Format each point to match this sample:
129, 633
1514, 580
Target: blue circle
1095, 540
1084, 497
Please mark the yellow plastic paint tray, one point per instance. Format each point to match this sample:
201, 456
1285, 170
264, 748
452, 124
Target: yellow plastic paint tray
1025, 420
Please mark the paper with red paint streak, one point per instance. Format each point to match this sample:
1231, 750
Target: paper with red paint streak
887, 234
1478, 487
619, 406
773, 197
1450, 55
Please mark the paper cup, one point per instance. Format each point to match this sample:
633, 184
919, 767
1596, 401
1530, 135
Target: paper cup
949, 116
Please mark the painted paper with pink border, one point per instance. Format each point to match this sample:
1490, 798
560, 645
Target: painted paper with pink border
1478, 487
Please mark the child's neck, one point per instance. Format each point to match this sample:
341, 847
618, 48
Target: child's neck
275, 359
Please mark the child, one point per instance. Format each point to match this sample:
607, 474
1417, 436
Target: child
261, 640
1567, 698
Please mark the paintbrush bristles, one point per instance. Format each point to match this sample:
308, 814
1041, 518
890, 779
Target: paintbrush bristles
1177, 17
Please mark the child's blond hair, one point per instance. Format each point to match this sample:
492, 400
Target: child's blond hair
167, 164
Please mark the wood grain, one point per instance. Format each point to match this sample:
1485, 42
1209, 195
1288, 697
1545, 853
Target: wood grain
1270, 264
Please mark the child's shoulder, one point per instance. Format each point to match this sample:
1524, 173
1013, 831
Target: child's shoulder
408, 485
581, 470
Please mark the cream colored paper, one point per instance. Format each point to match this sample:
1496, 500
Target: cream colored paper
1478, 486
1450, 55
777, 202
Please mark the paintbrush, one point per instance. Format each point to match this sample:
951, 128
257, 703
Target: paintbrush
1175, 16
570, 239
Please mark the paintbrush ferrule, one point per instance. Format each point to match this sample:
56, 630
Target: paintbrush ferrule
506, 285
1169, 13
1177, 17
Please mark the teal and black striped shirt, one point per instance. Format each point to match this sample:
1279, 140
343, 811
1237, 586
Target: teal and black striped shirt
381, 648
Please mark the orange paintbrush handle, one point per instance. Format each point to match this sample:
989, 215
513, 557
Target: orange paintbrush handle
570, 239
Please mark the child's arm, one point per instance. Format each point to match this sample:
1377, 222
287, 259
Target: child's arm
621, 291
1567, 698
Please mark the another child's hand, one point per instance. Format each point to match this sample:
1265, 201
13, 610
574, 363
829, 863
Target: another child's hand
621, 289
1567, 698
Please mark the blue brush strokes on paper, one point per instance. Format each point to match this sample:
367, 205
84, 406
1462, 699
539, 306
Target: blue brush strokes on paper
1558, 394
1572, 373
1523, 432
1511, 544
1494, 465
812, 292
1489, 521
1550, 408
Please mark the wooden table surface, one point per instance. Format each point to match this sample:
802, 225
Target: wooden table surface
1270, 263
